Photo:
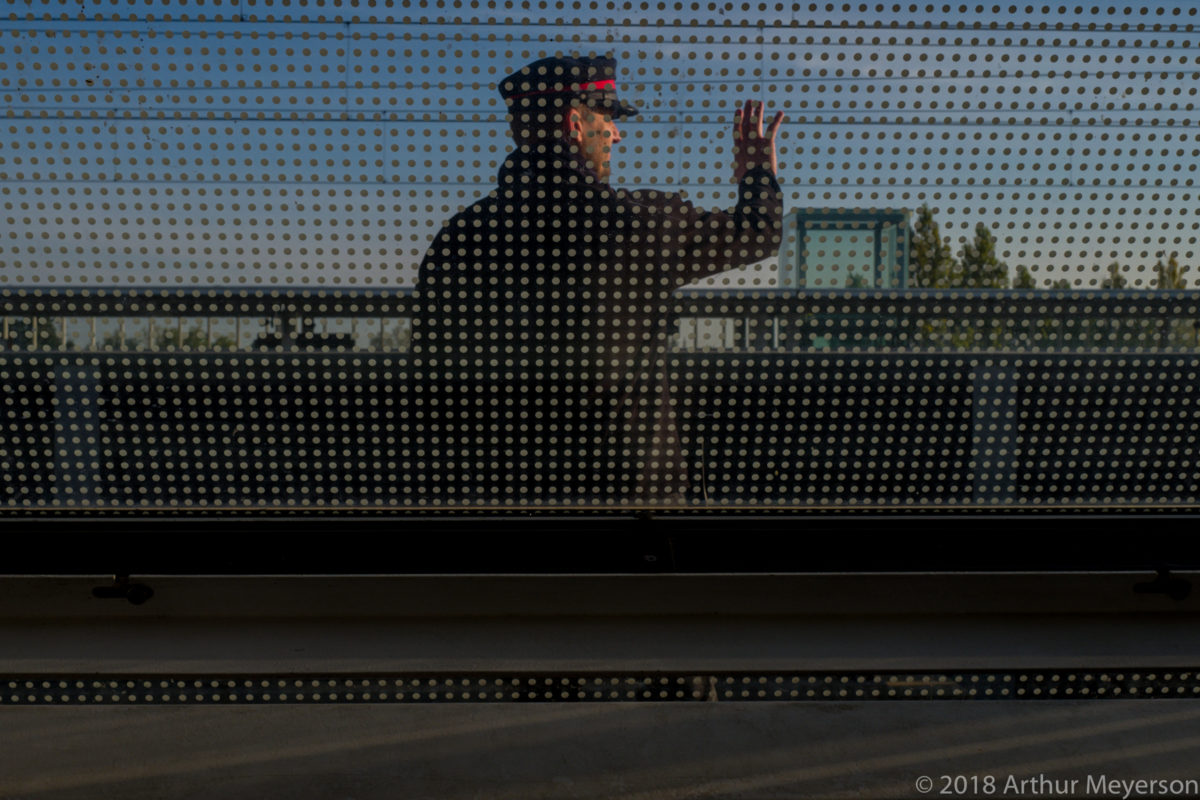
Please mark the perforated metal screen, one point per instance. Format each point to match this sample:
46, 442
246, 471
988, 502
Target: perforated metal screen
965, 685
424, 256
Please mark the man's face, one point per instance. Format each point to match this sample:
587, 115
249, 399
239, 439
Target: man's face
596, 134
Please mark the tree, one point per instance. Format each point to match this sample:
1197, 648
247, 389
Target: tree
1118, 332
1169, 275
194, 338
112, 341
136, 337
1024, 279
979, 266
932, 265
1116, 279
396, 338
1053, 331
20, 334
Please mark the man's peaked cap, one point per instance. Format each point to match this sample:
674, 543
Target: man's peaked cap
554, 82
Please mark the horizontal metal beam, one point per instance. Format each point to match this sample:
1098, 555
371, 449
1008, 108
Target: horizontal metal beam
401, 302
321, 599
1086, 683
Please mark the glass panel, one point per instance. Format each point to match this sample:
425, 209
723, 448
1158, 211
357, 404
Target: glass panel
312, 255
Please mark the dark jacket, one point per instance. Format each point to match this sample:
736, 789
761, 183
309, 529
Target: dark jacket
543, 324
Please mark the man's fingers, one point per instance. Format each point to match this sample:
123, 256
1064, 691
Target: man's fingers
749, 151
775, 123
748, 120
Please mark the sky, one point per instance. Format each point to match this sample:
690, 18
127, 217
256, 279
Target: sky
259, 143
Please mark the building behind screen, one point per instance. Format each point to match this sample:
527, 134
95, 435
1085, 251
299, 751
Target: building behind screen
826, 248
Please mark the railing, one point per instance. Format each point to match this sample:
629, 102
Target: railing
856, 399
119, 319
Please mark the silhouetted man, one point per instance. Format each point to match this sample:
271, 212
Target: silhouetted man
541, 339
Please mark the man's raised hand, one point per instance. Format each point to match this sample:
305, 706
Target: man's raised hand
751, 147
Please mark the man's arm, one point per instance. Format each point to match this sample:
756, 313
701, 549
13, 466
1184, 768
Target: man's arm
688, 243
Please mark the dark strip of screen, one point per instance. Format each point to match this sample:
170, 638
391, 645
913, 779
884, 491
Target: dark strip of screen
580, 544
1080, 684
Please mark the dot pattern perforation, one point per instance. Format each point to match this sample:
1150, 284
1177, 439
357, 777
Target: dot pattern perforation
1069, 684
285, 254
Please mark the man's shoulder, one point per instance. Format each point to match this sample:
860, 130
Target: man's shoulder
490, 205
655, 201
476, 217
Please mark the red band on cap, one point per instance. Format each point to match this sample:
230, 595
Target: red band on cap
598, 86
592, 86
